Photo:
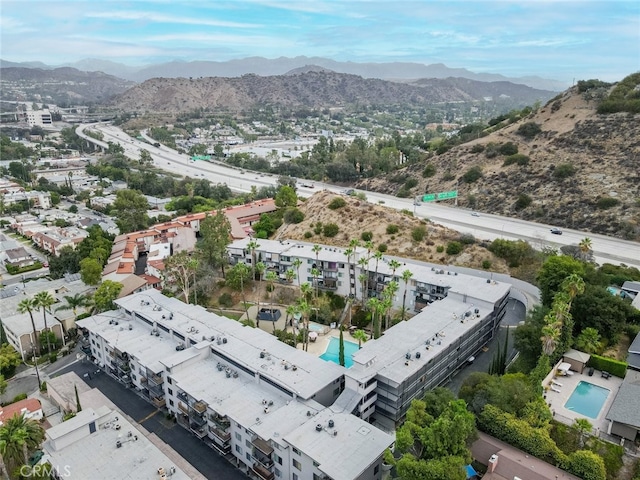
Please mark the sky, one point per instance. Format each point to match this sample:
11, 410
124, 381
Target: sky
563, 40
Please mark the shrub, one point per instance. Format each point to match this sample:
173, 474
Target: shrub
399, 178
486, 264
429, 170
20, 396
382, 247
53, 357
473, 174
410, 183
330, 230
440, 248
336, 203
564, 170
508, 148
403, 193
293, 215
391, 229
454, 248
467, 239
604, 203
523, 201
308, 234
366, 236
492, 150
518, 158
318, 228
614, 367
43, 387
448, 176
528, 130
225, 300
477, 148
418, 233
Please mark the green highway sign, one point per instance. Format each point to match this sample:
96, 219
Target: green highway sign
201, 157
434, 197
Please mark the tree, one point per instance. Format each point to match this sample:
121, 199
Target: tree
44, 300
74, 302
237, 277
360, 336
104, 296
18, 437
215, 232
587, 465
286, 197
297, 263
90, 271
9, 360
406, 276
252, 246
341, 348
145, 157
180, 269
305, 309
28, 305
130, 209
271, 278
553, 272
78, 406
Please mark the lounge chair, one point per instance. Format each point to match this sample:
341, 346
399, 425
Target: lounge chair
556, 384
554, 389
569, 372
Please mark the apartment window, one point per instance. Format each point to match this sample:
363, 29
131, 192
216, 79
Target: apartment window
342, 265
296, 451
376, 470
170, 391
294, 476
297, 464
171, 402
247, 443
277, 458
134, 377
239, 449
316, 464
278, 473
248, 456
169, 381
238, 437
336, 392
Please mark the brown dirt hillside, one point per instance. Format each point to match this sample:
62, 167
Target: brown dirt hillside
359, 216
604, 151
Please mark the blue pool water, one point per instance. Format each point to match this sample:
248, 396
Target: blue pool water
587, 399
332, 353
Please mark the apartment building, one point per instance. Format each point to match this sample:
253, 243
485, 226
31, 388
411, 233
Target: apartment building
457, 315
277, 409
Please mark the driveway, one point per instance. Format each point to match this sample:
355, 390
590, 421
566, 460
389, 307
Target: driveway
203, 458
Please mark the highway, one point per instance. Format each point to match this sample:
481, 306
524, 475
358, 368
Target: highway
484, 226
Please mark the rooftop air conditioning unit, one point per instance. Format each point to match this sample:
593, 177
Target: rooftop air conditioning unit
224, 340
417, 354
130, 327
118, 444
331, 424
318, 427
265, 409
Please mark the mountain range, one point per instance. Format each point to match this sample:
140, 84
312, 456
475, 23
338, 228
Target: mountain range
399, 71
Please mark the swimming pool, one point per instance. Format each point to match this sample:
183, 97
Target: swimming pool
587, 399
332, 353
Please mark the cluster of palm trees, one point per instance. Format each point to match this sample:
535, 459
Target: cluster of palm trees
18, 437
558, 323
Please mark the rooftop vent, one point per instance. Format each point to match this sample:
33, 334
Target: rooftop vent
224, 340
331, 424
407, 356
118, 444
417, 354
318, 428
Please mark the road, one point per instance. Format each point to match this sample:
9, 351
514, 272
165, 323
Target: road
484, 226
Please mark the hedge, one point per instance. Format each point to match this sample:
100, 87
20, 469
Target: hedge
604, 364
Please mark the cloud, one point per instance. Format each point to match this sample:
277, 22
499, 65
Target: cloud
159, 18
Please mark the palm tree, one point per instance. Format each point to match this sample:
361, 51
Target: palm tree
394, 264
242, 269
44, 300
292, 310
406, 276
271, 278
363, 277
378, 256
315, 273
296, 264
252, 246
29, 305
18, 437
348, 253
585, 247
389, 293
74, 302
361, 336
3, 467
290, 275
583, 426
260, 268
374, 305
589, 340
550, 337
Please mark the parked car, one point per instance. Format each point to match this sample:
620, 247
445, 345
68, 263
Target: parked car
556, 231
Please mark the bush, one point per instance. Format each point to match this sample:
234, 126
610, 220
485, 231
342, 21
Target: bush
318, 228
508, 148
53, 357
604, 203
225, 300
614, 367
293, 215
454, 248
308, 234
429, 170
391, 229
467, 239
43, 387
20, 396
486, 264
528, 130
518, 158
564, 170
418, 233
330, 230
492, 150
403, 193
361, 318
523, 201
382, 247
366, 236
336, 203
473, 174
440, 248
410, 183
477, 148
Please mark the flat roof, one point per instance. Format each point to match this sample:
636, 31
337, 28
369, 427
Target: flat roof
97, 456
343, 450
20, 324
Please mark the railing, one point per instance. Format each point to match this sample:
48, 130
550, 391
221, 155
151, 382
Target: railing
183, 396
263, 472
198, 420
143, 379
261, 459
183, 408
157, 379
220, 434
198, 430
200, 407
159, 402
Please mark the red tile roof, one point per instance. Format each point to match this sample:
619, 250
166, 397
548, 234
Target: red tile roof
8, 411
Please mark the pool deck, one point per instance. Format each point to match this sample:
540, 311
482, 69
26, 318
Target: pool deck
557, 400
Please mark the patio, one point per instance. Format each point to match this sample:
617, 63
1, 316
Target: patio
561, 388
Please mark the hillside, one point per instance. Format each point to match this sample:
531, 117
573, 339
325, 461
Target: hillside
581, 171
312, 89
358, 216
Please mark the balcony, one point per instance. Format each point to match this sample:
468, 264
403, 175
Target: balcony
263, 472
200, 407
220, 420
198, 420
157, 379
198, 431
183, 396
221, 435
261, 459
183, 408
263, 447
159, 402
143, 380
